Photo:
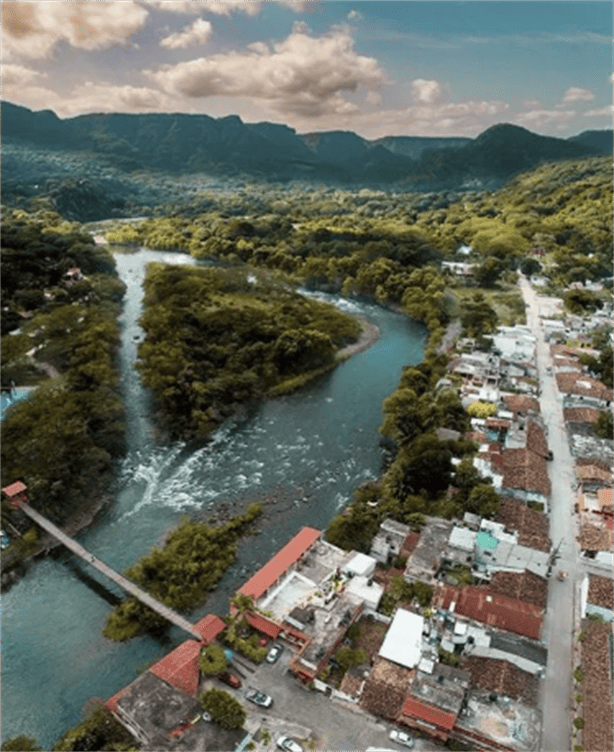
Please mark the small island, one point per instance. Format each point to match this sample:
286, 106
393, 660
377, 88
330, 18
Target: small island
217, 339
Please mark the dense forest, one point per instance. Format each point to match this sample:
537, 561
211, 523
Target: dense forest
219, 338
60, 300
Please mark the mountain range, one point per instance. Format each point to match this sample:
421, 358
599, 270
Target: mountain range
179, 143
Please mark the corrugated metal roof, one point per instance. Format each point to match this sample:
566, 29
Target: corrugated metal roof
14, 489
283, 559
415, 709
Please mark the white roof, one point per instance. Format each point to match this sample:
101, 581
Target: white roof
403, 642
463, 538
361, 564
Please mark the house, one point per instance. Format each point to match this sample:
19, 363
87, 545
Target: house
496, 610
403, 641
16, 493
531, 526
209, 627
435, 700
389, 541
584, 388
429, 553
596, 661
180, 668
525, 475
162, 717
285, 560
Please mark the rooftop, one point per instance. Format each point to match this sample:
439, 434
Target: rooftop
426, 557
526, 470
504, 678
386, 688
601, 591
490, 608
209, 627
403, 641
180, 667
597, 686
423, 711
532, 526
267, 575
593, 538
502, 721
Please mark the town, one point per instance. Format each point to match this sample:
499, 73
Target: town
476, 632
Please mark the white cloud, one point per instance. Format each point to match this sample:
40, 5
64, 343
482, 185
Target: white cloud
17, 75
302, 74
539, 118
355, 15
575, 94
425, 91
198, 33
33, 29
607, 111
220, 7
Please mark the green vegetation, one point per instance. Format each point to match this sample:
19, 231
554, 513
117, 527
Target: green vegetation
60, 335
348, 657
604, 427
600, 367
212, 660
578, 674
400, 591
223, 708
447, 657
578, 723
20, 744
99, 731
192, 562
218, 338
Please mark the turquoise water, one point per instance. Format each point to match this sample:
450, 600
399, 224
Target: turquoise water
6, 399
486, 540
301, 454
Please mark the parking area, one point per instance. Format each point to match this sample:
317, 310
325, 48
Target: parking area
311, 718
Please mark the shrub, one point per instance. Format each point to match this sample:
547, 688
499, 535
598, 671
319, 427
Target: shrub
579, 698
482, 409
223, 708
578, 723
581, 637
578, 674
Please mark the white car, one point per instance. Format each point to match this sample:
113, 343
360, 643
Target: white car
259, 698
274, 653
288, 744
402, 737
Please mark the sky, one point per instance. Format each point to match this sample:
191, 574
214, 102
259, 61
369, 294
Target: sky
378, 68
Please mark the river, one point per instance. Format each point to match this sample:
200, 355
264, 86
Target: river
302, 454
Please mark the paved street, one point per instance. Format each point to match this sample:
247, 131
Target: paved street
558, 624
337, 726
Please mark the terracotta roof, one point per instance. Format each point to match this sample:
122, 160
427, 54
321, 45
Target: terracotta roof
532, 527
605, 498
580, 414
14, 489
593, 472
594, 538
414, 708
264, 625
497, 423
409, 544
597, 733
111, 703
536, 439
601, 591
494, 675
526, 470
525, 586
586, 461
582, 383
491, 608
180, 667
280, 563
478, 436
209, 627
519, 403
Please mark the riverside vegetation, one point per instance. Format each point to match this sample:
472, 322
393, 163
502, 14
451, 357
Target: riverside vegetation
60, 335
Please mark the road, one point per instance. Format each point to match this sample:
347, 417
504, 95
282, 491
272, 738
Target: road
558, 623
297, 711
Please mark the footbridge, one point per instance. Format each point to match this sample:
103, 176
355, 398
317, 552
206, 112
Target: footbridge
130, 587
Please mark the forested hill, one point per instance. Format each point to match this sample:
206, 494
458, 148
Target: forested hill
227, 146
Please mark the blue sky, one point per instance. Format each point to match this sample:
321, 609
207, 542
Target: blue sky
377, 68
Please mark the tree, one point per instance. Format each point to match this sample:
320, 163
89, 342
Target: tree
223, 708
604, 427
581, 301
488, 272
212, 660
477, 316
530, 266
348, 657
483, 500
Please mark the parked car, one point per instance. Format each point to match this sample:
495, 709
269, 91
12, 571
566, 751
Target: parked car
402, 737
259, 698
288, 744
230, 679
274, 653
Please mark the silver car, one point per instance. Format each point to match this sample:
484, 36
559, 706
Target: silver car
288, 744
402, 737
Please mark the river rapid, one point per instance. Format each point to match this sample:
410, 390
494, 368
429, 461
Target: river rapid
301, 454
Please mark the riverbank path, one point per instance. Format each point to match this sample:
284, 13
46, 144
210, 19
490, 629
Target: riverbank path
118, 579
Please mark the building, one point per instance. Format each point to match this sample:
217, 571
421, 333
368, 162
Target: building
16, 492
403, 641
390, 541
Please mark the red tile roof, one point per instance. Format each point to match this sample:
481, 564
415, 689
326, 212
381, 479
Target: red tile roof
491, 608
14, 489
280, 563
264, 625
112, 702
422, 711
180, 667
525, 470
209, 627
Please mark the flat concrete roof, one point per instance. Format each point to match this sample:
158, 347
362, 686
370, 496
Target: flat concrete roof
403, 641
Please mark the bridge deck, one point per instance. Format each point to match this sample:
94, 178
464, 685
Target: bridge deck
133, 589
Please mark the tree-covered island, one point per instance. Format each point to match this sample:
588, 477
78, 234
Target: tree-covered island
218, 338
